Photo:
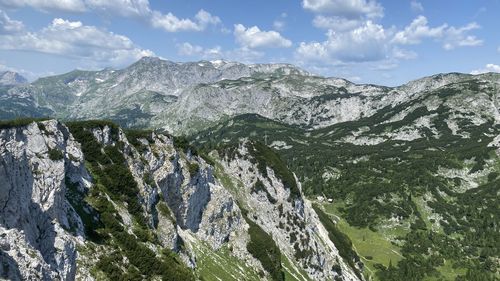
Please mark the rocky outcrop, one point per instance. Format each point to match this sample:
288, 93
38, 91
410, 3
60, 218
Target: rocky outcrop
45, 213
35, 217
289, 218
10, 78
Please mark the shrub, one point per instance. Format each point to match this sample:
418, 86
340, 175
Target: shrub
19, 122
194, 168
266, 157
55, 154
263, 248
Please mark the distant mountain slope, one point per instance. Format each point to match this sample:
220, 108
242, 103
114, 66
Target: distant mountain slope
10, 78
186, 97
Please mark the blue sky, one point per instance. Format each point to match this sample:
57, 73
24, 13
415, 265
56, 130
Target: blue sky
365, 41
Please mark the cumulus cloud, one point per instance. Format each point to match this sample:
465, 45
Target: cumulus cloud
345, 8
46, 5
451, 37
138, 9
9, 26
189, 50
343, 15
488, 68
365, 43
459, 37
336, 23
253, 37
242, 54
416, 6
171, 23
75, 40
354, 34
124, 8
418, 30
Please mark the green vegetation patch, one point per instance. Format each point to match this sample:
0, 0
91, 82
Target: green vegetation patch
339, 239
112, 177
19, 122
55, 154
263, 248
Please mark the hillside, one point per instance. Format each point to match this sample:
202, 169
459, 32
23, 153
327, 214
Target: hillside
415, 186
87, 200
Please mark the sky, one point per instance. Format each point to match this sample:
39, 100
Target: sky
366, 41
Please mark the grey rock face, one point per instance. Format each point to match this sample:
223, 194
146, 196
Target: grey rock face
10, 78
42, 237
292, 223
34, 214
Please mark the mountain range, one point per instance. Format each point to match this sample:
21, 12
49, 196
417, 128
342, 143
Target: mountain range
186, 97
249, 172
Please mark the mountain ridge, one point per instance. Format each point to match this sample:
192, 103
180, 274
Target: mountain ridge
186, 97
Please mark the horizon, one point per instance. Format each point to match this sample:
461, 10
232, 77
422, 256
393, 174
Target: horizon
229, 61
363, 41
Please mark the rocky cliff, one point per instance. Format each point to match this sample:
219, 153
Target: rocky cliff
88, 201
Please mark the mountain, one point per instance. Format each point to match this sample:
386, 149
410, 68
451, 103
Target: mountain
137, 96
89, 201
187, 97
10, 78
415, 186
338, 180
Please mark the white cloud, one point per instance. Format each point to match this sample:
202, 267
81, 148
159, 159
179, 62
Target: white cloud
253, 37
279, 24
171, 23
78, 41
138, 9
242, 54
186, 49
189, 50
418, 30
416, 6
205, 19
403, 54
459, 37
124, 8
488, 68
450, 36
365, 43
9, 26
345, 8
336, 23
45, 5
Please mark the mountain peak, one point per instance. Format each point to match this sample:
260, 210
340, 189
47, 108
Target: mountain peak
11, 78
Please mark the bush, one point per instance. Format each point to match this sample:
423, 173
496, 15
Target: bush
194, 168
19, 122
55, 154
263, 248
266, 157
